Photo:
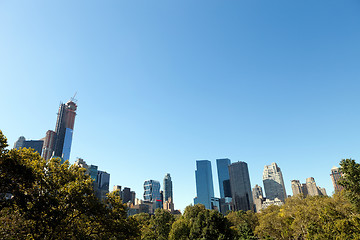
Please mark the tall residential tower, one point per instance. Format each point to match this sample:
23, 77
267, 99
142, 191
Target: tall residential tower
335, 177
274, 182
58, 143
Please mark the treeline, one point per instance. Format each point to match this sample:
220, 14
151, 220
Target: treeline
42, 199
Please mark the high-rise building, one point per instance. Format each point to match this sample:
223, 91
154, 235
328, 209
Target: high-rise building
204, 183
168, 189
258, 197
34, 144
307, 189
58, 143
273, 182
49, 144
152, 192
126, 195
335, 177
240, 187
257, 192
298, 188
223, 173
103, 181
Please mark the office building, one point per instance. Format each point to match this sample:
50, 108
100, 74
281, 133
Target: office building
101, 179
240, 187
204, 183
152, 192
223, 173
102, 184
126, 195
273, 182
335, 177
58, 143
168, 189
37, 145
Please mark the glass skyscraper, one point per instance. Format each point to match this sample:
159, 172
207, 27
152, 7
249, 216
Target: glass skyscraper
204, 183
168, 190
240, 187
223, 173
152, 192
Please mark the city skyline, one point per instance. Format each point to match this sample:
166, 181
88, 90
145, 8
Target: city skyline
163, 84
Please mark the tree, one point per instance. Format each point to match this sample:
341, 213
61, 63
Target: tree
44, 199
244, 223
351, 181
200, 223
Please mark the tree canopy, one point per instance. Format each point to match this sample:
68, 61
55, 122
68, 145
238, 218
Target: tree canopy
44, 199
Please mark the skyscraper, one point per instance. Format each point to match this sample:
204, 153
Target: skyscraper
34, 144
168, 190
307, 189
298, 188
335, 177
223, 173
258, 197
152, 192
240, 187
103, 181
274, 182
204, 183
257, 192
49, 143
59, 142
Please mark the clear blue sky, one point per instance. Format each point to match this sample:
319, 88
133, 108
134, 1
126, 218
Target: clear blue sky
163, 83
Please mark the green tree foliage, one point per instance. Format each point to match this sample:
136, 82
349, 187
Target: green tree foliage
157, 226
351, 181
48, 200
309, 218
200, 223
244, 223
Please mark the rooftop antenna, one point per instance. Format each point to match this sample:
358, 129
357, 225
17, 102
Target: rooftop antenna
73, 98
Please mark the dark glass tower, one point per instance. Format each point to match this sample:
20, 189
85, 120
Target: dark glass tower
223, 173
168, 191
204, 183
240, 187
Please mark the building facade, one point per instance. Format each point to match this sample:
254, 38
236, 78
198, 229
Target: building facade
204, 183
152, 192
223, 173
168, 187
240, 187
307, 189
58, 143
335, 177
37, 145
274, 183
